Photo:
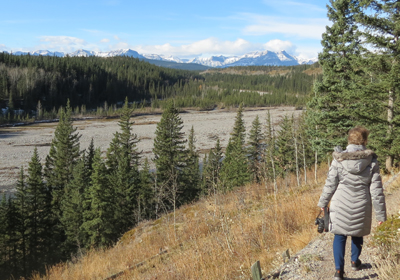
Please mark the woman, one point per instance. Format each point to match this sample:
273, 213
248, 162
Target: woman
353, 185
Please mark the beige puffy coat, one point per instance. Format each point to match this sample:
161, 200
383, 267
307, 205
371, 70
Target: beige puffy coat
353, 186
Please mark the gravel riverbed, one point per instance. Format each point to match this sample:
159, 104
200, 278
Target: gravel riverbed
17, 143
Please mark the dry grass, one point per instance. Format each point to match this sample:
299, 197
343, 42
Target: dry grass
218, 237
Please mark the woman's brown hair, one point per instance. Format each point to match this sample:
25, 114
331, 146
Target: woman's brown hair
358, 136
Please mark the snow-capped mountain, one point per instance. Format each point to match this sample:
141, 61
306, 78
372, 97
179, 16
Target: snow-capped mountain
258, 58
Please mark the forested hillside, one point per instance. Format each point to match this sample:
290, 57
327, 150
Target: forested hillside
40, 85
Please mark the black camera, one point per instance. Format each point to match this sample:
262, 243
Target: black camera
321, 224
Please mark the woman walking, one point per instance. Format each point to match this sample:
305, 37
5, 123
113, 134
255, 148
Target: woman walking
353, 185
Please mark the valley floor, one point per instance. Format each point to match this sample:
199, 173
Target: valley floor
17, 143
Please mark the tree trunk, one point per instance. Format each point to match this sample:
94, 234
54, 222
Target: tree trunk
316, 166
304, 162
389, 158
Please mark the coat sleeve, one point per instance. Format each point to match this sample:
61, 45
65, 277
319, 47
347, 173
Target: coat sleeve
331, 184
377, 196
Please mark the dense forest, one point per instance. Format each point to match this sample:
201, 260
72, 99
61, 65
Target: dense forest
40, 85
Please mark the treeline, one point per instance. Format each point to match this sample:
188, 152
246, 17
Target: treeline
361, 78
39, 85
86, 199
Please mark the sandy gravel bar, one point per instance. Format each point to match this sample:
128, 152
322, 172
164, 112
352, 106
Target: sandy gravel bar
17, 143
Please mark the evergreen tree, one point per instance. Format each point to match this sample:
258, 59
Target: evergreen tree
234, 171
211, 169
380, 112
72, 207
63, 155
146, 193
21, 219
64, 152
39, 226
3, 237
285, 145
330, 113
123, 162
99, 222
170, 159
255, 150
192, 171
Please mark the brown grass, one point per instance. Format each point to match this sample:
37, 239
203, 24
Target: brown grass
218, 237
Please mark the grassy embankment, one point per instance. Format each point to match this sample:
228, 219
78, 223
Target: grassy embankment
218, 237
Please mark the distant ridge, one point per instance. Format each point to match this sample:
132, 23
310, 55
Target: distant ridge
258, 58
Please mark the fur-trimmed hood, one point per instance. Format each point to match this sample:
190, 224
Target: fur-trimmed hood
355, 162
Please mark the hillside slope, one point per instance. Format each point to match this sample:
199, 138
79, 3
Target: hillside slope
220, 237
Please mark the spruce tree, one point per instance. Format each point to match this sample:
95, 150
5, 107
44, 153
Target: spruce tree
170, 159
212, 168
123, 169
22, 219
331, 111
39, 226
381, 29
234, 171
64, 152
285, 146
255, 150
192, 171
72, 207
146, 193
99, 223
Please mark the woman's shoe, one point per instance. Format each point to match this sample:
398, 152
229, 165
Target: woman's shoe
356, 265
339, 275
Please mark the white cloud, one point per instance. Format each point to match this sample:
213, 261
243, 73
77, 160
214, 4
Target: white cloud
116, 38
278, 45
64, 44
3, 47
300, 27
207, 46
105, 40
62, 40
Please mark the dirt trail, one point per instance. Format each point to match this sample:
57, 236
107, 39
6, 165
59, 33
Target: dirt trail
315, 261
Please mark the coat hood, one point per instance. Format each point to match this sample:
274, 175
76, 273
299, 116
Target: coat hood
355, 162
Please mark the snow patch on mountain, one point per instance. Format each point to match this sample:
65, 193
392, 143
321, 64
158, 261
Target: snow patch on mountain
257, 58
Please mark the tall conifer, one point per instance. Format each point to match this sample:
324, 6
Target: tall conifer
234, 171
330, 113
170, 158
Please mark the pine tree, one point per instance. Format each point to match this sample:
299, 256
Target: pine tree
255, 150
330, 113
170, 159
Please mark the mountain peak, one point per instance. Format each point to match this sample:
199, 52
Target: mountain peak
256, 58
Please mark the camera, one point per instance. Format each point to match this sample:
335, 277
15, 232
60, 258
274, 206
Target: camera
320, 224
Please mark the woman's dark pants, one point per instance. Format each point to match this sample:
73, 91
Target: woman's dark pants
339, 246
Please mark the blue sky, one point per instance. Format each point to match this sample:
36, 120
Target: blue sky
180, 28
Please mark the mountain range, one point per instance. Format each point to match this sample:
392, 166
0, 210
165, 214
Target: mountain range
258, 58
